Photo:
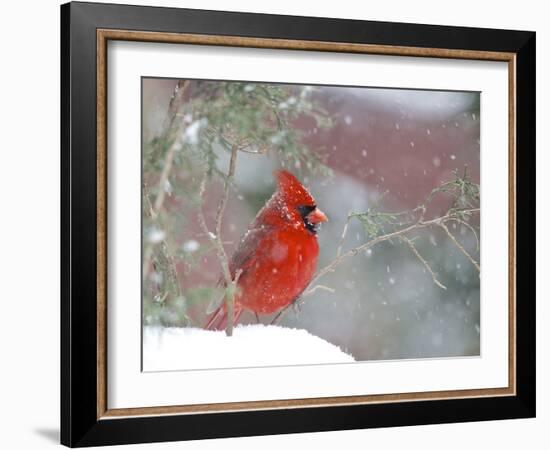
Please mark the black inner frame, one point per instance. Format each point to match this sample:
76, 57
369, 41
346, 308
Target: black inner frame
79, 423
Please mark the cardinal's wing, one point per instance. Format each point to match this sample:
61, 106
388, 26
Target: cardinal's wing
245, 255
249, 249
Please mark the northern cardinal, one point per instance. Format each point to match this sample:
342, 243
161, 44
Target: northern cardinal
278, 254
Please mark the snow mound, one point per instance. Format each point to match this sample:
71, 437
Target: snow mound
250, 346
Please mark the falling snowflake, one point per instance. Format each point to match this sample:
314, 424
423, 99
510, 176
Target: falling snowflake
190, 246
155, 236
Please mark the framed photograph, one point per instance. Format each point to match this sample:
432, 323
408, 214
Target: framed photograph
276, 224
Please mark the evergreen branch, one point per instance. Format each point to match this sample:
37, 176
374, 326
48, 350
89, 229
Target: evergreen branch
420, 224
165, 251
169, 158
386, 237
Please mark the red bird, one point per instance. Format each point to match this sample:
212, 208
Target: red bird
278, 254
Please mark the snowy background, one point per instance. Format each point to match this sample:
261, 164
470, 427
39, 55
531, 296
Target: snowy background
386, 147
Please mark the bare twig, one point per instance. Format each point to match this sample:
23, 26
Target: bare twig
230, 138
216, 239
467, 225
423, 261
459, 245
225, 197
202, 221
343, 237
230, 302
175, 104
279, 315
322, 288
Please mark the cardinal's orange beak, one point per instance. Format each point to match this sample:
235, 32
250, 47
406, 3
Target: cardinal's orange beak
317, 216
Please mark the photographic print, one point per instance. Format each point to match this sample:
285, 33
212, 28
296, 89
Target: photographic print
268, 232
287, 224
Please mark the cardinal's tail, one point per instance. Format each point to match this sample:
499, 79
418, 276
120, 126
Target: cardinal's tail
218, 319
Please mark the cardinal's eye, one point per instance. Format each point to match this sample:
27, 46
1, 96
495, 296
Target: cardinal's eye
305, 210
